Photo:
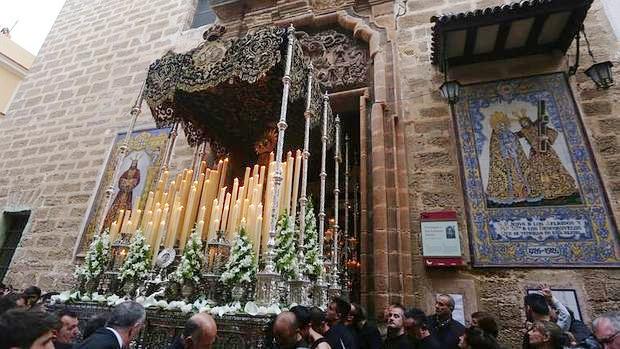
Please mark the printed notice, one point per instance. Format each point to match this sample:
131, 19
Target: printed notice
441, 239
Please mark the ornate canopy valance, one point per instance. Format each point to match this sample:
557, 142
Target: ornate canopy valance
228, 92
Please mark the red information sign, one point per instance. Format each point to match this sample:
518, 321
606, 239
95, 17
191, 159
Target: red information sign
441, 243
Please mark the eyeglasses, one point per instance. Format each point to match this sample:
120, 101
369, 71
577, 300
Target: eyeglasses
609, 339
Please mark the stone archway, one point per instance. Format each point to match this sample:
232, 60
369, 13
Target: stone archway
386, 266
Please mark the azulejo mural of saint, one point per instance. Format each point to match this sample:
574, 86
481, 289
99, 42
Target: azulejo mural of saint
532, 189
525, 160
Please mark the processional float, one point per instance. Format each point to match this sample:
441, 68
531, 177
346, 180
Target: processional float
224, 96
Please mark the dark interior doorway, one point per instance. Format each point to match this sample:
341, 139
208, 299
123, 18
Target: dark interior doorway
10, 235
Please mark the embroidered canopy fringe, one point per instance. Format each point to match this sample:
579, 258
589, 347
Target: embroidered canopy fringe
228, 92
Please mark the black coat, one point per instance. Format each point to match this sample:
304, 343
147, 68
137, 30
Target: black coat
447, 332
369, 337
59, 345
340, 337
101, 339
400, 342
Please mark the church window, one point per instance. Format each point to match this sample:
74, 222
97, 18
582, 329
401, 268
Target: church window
12, 226
204, 14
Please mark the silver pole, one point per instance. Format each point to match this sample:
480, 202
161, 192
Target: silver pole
323, 176
298, 287
122, 152
172, 139
320, 286
346, 211
266, 280
335, 287
303, 199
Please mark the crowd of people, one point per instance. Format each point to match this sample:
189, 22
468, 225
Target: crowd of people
25, 324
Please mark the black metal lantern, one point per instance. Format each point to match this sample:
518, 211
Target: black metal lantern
601, 74
450, 90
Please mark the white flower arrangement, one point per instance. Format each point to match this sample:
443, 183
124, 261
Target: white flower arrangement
286, 256
198, 306
191, 261
96, 260
136, 267
241, 265
312, 265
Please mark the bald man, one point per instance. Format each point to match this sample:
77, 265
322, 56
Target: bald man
199, 333
287, 332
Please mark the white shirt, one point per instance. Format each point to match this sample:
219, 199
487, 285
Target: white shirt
118, 337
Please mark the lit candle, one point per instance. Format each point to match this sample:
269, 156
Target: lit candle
225, 213
201, 214
113, 231
157, 244
156, 222
296, 177
212, 229
232, 223
257, 230
289, 183
223, 177
246, 177
200, 226
148, 232
188, 221
251, 221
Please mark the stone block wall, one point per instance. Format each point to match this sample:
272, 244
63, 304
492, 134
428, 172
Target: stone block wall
433, 169
61, 124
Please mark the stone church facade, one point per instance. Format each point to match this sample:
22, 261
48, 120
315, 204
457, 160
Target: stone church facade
59, 128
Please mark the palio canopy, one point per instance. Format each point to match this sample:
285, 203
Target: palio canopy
229, 92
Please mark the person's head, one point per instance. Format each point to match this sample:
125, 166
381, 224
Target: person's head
302, 314
475, 338
24, 329
415, 323
10, 301
286, 330
95, 322
607, 330
546, 334
199, 332
32, 294
318, 320
69, 332
535, 306
127, 319
444, 305
486, 322
337, 311
357, 315
396, 320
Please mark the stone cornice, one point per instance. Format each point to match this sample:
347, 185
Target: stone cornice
12, 66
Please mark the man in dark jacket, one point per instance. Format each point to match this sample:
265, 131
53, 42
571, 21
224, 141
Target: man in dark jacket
443, 326
367, 335
69, 331
396, 336
416, 326
126, 321
338, 335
